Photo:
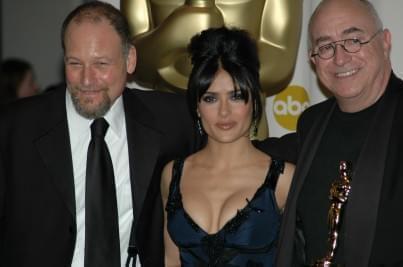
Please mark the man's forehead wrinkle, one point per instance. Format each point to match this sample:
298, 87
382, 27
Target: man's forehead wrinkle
347, 31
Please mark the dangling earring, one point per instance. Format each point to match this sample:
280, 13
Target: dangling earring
253, 130
199, 127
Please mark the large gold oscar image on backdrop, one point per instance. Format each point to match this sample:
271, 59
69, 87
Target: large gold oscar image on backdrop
162, 29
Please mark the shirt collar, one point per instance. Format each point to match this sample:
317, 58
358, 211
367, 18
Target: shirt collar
80, 125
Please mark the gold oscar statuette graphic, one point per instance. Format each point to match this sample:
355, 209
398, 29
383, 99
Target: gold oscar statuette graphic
339, 193
162, 29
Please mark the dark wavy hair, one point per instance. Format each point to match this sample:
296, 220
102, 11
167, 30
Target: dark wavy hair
234, 51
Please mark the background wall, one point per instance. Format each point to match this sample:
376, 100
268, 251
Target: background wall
31, 30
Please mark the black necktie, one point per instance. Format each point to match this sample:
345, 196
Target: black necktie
102, 247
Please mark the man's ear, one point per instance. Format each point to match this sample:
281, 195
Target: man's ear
131, 59
311, 58
387, 42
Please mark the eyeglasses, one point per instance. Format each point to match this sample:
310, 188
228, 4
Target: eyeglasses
327, 51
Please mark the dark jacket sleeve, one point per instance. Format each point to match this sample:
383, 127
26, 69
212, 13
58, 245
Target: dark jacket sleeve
2, 192
284, 147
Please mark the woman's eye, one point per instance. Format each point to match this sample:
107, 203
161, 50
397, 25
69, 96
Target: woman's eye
208, 98
237, 96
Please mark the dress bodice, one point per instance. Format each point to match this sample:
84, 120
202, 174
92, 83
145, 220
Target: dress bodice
248, 239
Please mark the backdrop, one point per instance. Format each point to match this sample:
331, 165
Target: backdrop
283, 109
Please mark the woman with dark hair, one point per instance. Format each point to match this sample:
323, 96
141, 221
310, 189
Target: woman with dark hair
16, 80
223, 204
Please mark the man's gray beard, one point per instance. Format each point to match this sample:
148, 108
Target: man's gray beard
99, 112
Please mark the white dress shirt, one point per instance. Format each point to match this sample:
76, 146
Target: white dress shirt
116, 140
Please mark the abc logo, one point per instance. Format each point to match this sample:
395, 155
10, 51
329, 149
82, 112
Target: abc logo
288, 105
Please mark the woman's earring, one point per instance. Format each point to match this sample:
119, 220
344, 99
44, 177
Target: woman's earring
199, 127
253, 130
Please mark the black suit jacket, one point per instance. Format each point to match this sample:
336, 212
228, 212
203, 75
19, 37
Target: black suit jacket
37, 199
374, 214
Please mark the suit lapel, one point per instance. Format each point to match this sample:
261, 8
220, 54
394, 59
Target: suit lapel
53, 145
308, 150
306, 156
362, 208
144, 146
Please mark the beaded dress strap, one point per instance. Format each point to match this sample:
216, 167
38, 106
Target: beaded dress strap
276, 168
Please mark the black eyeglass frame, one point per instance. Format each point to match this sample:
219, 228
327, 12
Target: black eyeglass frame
342, 44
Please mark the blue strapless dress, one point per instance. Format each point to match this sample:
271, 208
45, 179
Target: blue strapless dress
248, 239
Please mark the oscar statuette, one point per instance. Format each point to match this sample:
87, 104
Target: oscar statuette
162, 29
339, 193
